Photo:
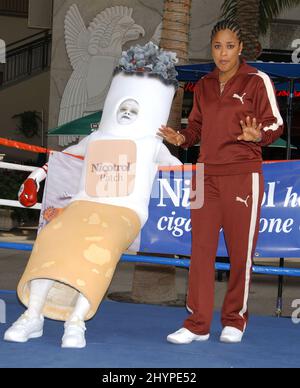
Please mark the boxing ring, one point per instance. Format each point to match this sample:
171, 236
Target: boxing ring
124, 335
126, 343
179, 252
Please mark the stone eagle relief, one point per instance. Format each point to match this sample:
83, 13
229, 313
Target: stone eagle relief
93, 52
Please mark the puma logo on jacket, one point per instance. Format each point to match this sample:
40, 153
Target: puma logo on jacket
241, 98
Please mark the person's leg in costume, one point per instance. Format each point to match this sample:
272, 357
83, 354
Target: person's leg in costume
75, 327
39, 289
31, 323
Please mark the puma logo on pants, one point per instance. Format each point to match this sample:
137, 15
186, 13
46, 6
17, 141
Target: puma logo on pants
245, 201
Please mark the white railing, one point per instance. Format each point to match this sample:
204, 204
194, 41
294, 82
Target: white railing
17, 167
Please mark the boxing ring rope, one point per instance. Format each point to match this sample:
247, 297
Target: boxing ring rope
10, 203
18, 167
183, 263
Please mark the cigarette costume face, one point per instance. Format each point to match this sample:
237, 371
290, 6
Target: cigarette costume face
111, 206
135, 106
128, 112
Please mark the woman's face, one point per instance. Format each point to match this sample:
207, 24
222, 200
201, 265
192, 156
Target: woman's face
225, 48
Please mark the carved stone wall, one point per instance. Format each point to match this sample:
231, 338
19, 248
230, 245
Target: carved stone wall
148, 15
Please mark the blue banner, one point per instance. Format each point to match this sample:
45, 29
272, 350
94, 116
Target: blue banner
168, 229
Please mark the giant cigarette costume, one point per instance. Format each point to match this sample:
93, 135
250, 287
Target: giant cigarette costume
79, 249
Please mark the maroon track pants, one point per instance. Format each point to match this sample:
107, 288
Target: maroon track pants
232, 202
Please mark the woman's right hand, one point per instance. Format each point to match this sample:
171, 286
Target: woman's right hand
171, 136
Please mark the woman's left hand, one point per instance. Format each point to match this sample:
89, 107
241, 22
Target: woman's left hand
251, 131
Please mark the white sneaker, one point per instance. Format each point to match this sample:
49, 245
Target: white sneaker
24, 328
231, 335
184, 336
74, 334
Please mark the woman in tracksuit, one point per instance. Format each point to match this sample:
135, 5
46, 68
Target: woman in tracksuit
234, 114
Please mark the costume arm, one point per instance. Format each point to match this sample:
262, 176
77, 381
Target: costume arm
40, 173
165, 158
28, 191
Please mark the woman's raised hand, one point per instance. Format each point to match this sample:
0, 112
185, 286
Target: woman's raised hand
170, 135
251, 131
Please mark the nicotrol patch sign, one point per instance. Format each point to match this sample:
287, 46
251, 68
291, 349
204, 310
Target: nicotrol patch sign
111, 168
2, 51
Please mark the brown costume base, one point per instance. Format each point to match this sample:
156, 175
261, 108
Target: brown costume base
79, 250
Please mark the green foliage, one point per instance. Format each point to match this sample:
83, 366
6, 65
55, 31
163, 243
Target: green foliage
10, 182
28, 123
269, 9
